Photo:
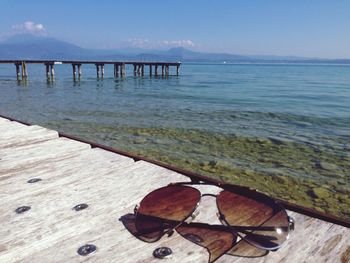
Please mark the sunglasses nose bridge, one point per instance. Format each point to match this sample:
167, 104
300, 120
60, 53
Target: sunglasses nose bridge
221, 218
193, 215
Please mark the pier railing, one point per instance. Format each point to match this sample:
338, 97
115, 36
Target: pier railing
119, 67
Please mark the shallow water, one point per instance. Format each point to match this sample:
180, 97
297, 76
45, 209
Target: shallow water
283, 129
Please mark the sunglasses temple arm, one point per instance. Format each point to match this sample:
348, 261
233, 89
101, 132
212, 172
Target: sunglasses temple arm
291, 225
192, 182
187, 220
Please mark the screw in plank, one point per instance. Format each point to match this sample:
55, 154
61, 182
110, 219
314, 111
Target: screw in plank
86, 249
22, 209
80, 207
162, 252
34, 180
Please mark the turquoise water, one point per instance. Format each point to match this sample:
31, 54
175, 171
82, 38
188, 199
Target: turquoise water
267, 126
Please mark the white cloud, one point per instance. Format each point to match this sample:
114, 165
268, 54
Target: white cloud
29, 27
182, 43
159, 44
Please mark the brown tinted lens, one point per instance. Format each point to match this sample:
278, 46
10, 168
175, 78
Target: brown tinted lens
175, 202
244, 249
258, 218
216, 239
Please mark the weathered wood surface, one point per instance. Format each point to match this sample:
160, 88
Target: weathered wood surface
25, 135
73, 173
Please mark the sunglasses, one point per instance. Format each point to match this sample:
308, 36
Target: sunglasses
256, 219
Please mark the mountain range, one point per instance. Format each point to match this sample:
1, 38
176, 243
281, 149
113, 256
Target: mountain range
28, 46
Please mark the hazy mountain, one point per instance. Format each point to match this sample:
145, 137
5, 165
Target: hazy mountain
27, 46
37, 47
277, 58
188, 55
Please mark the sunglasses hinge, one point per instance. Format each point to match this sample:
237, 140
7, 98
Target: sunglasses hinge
136, 208
291, 222
170, 233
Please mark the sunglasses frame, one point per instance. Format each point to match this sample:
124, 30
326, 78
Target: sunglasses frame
237, 230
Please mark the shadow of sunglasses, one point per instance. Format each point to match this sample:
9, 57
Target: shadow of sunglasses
216, 239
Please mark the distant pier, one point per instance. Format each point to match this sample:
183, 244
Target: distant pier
154, 68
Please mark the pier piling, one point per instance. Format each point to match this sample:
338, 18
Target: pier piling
74, 71
52, 71
116, 70
24, 71
47, 69
102, 70
79, 70
122, 70
97, 70
138, 70
18, 74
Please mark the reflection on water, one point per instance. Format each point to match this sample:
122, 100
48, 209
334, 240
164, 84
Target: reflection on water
281, 129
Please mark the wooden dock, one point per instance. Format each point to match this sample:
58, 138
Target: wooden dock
119, 67
52, 174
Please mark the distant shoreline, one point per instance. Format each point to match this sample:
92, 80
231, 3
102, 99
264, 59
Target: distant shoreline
268, 63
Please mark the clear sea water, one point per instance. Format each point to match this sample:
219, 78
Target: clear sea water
281, 128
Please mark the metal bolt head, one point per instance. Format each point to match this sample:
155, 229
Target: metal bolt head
162, 252
34, 180
22, 209
80, 207
86, 249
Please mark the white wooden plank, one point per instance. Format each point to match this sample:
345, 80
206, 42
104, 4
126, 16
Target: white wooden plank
20, 137
23, 131
11, 125
23, 157
58, 173
3, 120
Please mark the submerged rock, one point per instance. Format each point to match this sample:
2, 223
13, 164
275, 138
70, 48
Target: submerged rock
263, 141
319, 192
343, 190
326, 166
140, 141
249, 172
281, 179
276, 140
213, 163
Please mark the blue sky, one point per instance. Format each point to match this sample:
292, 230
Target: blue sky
313, 28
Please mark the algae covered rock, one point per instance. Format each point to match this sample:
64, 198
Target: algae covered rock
281, 179
249, 172
320, 193
263, 141
326, 166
